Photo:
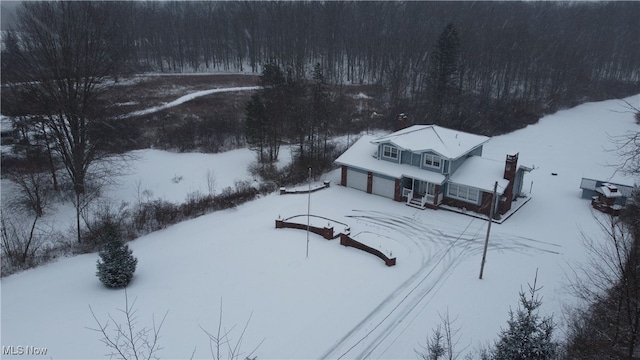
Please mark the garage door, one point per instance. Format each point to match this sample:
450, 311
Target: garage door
357, 180
383, 187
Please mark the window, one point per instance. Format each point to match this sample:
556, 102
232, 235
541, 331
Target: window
390, 152
464, 193
432, 161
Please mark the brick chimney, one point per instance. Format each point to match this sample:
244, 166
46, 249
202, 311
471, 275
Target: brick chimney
403, 122
510, 168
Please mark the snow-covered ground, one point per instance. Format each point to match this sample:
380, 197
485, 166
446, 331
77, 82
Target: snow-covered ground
339, 302
190, 97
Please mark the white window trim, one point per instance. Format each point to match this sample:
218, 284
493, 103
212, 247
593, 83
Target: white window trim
465, 190
391, 148
433, 158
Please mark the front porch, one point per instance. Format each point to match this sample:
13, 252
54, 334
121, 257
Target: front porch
421, 194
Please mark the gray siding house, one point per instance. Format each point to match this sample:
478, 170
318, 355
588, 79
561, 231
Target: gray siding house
607, 196
427, 166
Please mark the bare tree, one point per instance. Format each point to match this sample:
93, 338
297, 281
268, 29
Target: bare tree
211, 181
129, 341
65, 54
627, 146
607, 323
223, 346
34, 193
20, 240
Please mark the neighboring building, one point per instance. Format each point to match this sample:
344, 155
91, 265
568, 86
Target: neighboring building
8, 133
606, 196
428, 166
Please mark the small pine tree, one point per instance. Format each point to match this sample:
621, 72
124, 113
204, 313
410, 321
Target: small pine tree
528, 336
117, 263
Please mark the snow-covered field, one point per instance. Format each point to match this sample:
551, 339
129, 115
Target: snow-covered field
339, 302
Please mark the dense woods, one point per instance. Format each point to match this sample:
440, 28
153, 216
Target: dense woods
510, 61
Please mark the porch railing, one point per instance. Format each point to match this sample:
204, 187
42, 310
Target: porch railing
423, 199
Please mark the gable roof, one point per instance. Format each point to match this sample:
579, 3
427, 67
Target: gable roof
362, 155
481, 173
624, 185
447, 143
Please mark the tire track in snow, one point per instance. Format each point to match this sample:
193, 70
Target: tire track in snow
434, 243
405, 298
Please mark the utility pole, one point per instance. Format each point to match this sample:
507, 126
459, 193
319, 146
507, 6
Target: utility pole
309, 211
486, 241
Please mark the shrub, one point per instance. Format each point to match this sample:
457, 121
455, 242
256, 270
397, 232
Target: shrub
117, 263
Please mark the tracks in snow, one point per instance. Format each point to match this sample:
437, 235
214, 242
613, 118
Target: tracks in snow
441, 250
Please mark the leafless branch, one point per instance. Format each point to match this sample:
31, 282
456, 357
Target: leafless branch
130, 341
222, 339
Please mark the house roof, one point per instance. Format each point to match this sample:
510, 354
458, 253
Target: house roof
5, 124
445, 142
481, 173
362, 155
609, 191
624, 185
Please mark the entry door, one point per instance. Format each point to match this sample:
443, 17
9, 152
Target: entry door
424, 188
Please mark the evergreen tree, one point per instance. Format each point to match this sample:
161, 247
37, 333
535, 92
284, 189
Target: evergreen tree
274, 98
528, 336
321, 115
256, 126
117, 263
444, 77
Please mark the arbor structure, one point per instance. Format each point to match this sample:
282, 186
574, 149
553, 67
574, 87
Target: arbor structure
64, 56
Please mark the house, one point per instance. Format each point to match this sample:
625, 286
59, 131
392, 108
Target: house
606, 196
429, 166
8, 133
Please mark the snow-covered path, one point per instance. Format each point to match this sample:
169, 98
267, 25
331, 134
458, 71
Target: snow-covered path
189, 97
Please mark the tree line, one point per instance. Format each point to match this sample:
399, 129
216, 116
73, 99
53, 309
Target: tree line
481, 67
513, 61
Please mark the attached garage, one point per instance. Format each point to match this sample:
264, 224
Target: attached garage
383, 186
357, 179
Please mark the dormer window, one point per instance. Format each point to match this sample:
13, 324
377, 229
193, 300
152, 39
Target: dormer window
390, 152
432, 161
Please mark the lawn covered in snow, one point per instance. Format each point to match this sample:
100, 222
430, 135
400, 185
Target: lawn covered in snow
338, 302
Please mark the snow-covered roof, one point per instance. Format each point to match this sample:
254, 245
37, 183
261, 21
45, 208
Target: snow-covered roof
624, 185
5, 124
447, 143
481, 173
362, 155
609, 191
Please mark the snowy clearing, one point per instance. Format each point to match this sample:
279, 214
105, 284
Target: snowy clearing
339, 302
189, 97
